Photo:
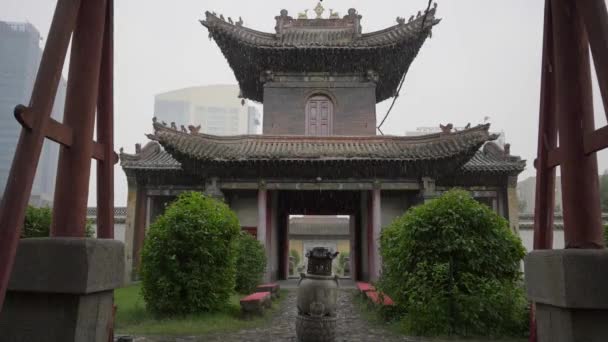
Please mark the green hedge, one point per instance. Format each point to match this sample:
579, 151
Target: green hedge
188, 258
250, 263
37, 223
452, 265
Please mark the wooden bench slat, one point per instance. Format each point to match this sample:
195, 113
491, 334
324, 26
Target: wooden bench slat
256, 296
375, 298
364, 287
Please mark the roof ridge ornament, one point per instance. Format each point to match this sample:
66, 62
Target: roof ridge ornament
319, 9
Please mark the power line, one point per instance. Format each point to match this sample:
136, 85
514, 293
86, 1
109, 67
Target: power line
428, 8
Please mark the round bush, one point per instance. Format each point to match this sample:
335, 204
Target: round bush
452, 265
250, 263
188, 258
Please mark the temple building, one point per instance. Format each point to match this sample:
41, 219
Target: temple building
319, 80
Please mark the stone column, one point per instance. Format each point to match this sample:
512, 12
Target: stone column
353, 246
213, 190
428, 189
376, 230
513, 204
261, 229
365, 244
139, 230
61, 289
569, 289
130, 227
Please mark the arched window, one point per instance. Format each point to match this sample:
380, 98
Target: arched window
319, 115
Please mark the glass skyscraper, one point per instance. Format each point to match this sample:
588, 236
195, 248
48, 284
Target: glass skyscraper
20, 55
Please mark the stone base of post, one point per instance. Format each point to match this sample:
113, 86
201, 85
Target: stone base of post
569, 288
61, 289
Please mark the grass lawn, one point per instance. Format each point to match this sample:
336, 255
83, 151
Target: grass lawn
132, 318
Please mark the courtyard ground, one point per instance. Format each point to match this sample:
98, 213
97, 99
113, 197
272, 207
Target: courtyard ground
133, 319
353, 326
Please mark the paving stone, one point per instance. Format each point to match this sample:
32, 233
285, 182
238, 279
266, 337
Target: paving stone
351, 326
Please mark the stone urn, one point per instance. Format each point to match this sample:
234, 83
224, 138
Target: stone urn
317, 298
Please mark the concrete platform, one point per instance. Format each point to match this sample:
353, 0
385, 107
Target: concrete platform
570, 289
61, 289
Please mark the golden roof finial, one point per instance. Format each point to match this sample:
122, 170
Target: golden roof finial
319, 10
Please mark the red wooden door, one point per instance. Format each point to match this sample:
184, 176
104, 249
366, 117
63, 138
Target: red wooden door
319, 116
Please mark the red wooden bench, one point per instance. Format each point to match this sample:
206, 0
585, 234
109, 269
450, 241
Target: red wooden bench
379, 298
365, 287
273, 288
255, 303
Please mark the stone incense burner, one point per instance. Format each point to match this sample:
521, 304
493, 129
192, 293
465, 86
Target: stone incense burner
317, 297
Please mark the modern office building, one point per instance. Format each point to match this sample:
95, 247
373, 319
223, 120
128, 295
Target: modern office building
20, 55
216, 108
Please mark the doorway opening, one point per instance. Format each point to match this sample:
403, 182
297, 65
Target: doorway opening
330, 231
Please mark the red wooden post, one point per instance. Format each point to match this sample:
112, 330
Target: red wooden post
574, 109
72, 187
547, 141
21, 176
595, 17
105, 132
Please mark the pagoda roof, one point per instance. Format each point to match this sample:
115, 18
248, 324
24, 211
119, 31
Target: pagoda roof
334, 45
259, 148
488, 160
171, 149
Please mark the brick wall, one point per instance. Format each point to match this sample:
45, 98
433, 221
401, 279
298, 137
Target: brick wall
354, 107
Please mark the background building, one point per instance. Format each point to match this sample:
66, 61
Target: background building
217, 108
20, 55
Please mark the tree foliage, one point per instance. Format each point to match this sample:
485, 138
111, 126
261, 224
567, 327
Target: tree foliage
188, 258
604, 190
37, 223
250, 263
453, 267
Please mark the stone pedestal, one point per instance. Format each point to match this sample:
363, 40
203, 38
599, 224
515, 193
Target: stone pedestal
61, 289
570, 289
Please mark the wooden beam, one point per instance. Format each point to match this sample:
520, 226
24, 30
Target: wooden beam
60, 133
553, 158
596, 140
55, 130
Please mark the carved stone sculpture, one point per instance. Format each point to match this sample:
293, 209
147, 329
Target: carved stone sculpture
317, 298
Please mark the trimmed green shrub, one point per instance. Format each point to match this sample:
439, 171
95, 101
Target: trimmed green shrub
188, 257
296, 257
452, 265
250, 263
37, 223
341, 264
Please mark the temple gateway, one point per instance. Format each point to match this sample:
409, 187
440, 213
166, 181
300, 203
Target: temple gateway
319, 80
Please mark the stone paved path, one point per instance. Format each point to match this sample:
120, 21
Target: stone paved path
351, 326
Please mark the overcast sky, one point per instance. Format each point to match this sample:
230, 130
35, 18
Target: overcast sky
483, 60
